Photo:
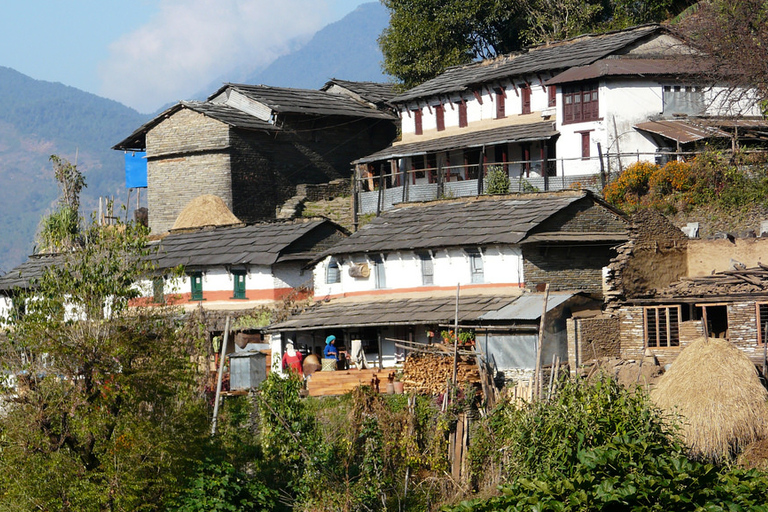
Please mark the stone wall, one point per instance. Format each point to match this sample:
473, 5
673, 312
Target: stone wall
566, 268
325, 191
187, 155
592, 338
585, 216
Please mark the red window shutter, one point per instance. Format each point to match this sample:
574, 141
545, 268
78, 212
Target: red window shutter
525, 95
500, 110
552, 96
462, 114
595, 105
440, 118
584, 145
567, 107
417, 121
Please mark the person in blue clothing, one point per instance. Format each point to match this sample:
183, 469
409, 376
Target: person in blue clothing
330, 351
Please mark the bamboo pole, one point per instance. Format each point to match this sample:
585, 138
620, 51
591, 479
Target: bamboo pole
220, 376
537, 376
456, 335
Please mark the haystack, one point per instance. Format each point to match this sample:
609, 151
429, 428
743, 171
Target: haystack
204, 211
715, 390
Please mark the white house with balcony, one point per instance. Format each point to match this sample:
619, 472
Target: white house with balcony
396, 278
555, 116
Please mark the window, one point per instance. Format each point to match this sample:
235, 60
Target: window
427, 269
552, 96
418, 130
500, 107
239, 286
585, 145
683, 99
762, 323
462, 114
158, 290
662, 326
440, 117
378, 272
196, 283
525, 97
580, 103
332, 273
715, 317
476, 265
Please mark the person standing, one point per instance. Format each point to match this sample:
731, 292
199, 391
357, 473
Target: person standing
330, 351
292, 359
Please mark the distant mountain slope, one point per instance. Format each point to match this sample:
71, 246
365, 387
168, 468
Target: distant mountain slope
38, 119
347, 49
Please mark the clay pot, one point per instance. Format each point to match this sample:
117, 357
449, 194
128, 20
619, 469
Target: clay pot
390, 388
399, 387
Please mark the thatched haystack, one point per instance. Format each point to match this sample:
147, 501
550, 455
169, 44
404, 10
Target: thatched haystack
204, 211
715, 390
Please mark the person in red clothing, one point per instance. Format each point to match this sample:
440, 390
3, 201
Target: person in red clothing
292, 359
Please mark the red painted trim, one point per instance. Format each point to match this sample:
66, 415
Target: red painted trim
423, 289
224, 295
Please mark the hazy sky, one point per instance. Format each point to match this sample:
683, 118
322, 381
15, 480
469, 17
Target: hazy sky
145, 53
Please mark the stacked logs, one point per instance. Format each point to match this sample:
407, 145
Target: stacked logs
429, 373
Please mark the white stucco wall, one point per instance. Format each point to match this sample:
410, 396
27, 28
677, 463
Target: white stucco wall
501, 265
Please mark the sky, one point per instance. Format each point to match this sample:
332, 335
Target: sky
147, 53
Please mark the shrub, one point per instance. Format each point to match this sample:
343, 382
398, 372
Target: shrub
498, 180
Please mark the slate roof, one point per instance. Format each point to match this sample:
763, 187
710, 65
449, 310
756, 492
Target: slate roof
673, 67
25, 275
579, 51
395, 311
285, 100
255, 244
483, 309
224, 113
515, 133
480, 221
375, 92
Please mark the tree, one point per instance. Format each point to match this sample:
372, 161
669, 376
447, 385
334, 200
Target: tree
425, 37
735, 36
58, 230
105, 412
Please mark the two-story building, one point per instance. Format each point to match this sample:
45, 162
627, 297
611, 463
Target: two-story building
554, 115
252, 144
396, 278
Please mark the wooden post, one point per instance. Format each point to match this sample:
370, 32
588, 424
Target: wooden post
380, 200
602, 167
219, 378
355, 198
456, 336
381, 356
537, 377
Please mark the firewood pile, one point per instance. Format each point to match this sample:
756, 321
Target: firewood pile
429, 373
729, 282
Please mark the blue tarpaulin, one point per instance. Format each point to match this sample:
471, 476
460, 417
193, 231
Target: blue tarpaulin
135, 169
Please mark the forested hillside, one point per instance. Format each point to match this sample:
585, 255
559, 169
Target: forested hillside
38, 119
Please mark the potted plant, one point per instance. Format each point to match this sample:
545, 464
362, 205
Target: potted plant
447, 336
467, 337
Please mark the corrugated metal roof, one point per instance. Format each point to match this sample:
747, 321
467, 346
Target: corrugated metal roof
515, 133
481, 221
682, 131
527, 307
579, 51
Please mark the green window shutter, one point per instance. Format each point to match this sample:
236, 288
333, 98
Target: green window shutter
196, 280
239, 278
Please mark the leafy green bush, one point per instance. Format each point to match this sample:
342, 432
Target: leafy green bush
600, 447
498, 180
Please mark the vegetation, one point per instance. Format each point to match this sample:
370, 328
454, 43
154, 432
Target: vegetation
425, 37
597, 446
723, 180
59, 229
498, 180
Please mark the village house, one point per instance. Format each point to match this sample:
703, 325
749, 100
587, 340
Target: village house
665, 290
252, 144
396, 278
570, 112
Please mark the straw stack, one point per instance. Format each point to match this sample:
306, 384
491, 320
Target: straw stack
205, 210
715, 390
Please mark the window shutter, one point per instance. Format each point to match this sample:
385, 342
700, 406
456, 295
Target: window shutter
500, 110
525, 97
418, 130
552, 96
440, 118
462, 114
